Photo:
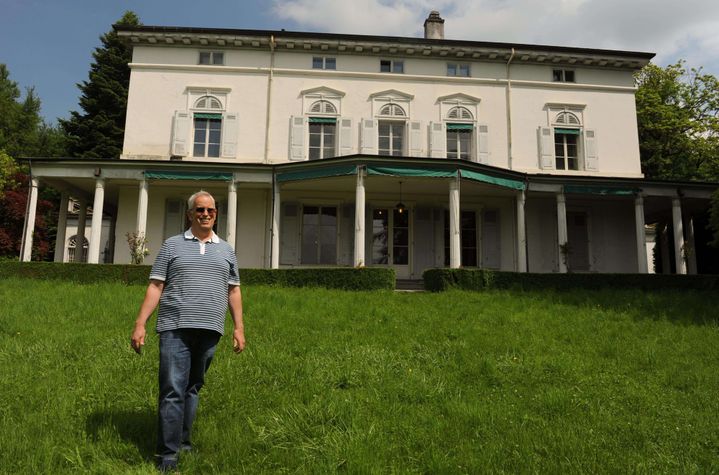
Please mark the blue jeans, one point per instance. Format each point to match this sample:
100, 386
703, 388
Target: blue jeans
185, 356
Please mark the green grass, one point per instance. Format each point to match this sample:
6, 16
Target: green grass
372, 382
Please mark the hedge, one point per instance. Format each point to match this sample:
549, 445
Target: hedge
438, 280
346, 278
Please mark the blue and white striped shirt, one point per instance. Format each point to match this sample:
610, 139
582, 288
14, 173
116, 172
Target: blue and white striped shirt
196, 277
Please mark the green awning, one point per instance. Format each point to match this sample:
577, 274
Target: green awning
205, 115
505, 182
178, 175
411, 171
312, 173
567, 131
460, 127
323, 120
600, 190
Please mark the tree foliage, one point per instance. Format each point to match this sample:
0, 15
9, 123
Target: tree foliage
97, 131
678, 119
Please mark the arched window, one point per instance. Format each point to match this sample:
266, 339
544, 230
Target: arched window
208, 102
323, 107
567, 118
567, 141
207, 120
72, 250
459, 113
392, 110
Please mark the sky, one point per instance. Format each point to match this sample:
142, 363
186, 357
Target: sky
48, 44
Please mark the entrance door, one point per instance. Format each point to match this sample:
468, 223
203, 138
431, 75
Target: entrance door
319, 235
390, 239
578, 237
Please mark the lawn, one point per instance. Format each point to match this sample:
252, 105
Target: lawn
372, 382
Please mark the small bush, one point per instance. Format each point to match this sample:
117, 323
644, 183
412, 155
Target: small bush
438, 280
345, 278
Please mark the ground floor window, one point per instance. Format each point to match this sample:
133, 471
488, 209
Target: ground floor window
468, 238
72, 254
319, 235
390, 236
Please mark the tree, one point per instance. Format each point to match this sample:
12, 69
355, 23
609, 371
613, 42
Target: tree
98, 131
678, 119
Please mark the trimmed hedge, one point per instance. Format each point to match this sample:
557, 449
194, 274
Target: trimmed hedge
438, 280
346, 278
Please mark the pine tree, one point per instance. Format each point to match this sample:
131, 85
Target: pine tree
98, 131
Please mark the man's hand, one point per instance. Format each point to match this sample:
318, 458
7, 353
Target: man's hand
138, 338
238, 340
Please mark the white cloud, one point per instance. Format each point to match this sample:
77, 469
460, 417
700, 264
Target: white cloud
672, 29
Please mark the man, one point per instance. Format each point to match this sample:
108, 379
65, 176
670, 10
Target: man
194, 279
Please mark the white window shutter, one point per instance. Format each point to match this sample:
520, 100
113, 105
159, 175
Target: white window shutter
415, 138
369, 137
345, 146
483, 143
591, 155
437, 140
297, 138
546, 148
180, 131
229, 135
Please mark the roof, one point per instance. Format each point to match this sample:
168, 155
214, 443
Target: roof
380, 45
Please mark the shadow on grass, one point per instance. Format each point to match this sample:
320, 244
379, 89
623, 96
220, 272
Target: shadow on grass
136, 427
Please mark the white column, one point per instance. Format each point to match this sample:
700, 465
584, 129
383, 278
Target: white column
455, 251
61, 234
141, 224
692, 255
359, 254
562, 230
679, 261
641, 235
275, 250
93, 252
521, 234
232, 214
26, 254
80, 236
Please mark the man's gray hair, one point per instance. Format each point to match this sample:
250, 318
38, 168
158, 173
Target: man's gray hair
191, 200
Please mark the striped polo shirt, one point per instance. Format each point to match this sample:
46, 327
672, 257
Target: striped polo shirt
196, 277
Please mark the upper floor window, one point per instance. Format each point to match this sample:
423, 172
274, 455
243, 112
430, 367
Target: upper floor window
566, 141
563, 75
458, 69
391, 66
212, 57
391, 130
566, 144
458, 135
207, 127
460, 127
324, 62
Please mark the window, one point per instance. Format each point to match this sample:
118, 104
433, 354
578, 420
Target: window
207, 136
72, 254
390, 236
323, 131
322, 62
468, 238
459, 133
212, 57
566, 141
319, 235
458, 69
391, 131
563, 75
391, 66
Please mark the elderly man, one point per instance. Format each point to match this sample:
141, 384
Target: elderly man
194, 278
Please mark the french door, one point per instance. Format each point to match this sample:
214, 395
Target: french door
390, 239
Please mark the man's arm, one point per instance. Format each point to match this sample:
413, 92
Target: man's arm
235, 301
152, 298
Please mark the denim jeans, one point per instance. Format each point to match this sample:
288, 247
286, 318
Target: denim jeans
185, 356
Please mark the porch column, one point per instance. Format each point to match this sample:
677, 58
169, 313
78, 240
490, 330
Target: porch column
93, 252
61, 234
521, 233
141, 225
26, 245
231, 213
275, 249
80, 235
692, 255
455, 253
562, 231
641, 235
679, 261
359, 253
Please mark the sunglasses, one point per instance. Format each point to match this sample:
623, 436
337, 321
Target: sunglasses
202, 210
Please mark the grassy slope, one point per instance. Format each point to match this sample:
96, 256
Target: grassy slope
372, 382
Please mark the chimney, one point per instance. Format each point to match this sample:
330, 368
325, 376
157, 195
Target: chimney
434, 26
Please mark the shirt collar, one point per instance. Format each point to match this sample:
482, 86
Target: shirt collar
214, 239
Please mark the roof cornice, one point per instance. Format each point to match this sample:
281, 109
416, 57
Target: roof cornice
331, 43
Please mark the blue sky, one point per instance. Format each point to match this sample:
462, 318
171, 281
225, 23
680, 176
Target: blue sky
48, 43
